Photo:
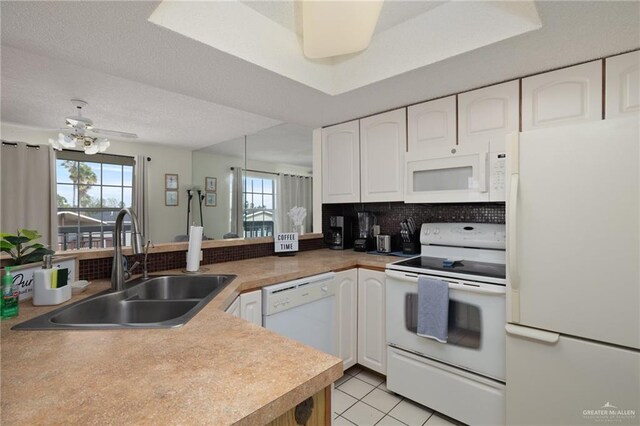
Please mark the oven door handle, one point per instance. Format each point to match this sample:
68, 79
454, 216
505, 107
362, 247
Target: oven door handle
480, 289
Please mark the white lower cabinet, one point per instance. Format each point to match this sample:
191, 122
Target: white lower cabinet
251, 307
234, 307
347, 316
371, 320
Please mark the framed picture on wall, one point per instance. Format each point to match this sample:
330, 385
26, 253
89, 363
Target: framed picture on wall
210, 184
211, 199
171, 198
170, 181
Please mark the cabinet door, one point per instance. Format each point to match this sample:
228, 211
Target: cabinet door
489, 114
565, 96
383, 142
234, 308
341, 163
431, 124
347, 312
622, 87
251, 307
371, 320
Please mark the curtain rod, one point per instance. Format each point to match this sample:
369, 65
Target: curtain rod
15, 144
271, 173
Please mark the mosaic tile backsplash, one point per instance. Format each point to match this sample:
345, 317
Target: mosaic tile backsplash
389, 215
93, 269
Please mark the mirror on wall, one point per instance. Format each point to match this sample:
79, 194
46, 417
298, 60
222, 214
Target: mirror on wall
275, 172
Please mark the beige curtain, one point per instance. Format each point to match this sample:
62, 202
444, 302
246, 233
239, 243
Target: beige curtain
293, 191
29, 195
140, 194
237, 202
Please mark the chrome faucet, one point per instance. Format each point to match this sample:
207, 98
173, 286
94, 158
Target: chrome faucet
145, 270
117, 271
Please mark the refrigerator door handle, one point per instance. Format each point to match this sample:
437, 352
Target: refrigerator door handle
512, 252
532, 333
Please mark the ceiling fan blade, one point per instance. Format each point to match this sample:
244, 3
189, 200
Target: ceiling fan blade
114, 133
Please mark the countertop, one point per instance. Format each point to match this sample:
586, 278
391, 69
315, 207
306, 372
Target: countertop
216, 369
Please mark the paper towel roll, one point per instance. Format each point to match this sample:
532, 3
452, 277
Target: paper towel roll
195, 242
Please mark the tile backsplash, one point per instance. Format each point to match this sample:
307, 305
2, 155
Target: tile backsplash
93, 269
389, 215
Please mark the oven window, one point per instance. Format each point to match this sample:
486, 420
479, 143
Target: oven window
449, 179
465, 323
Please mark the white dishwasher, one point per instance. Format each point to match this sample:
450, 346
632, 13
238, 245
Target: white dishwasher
303, 310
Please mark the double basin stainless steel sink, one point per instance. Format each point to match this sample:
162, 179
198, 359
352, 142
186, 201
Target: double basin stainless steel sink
156, 302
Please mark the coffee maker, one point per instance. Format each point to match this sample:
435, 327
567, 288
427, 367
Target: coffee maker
339, 236
365, 241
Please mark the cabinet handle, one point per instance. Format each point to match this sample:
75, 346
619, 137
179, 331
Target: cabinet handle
532, 333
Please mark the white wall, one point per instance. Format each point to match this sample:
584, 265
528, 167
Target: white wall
164, 222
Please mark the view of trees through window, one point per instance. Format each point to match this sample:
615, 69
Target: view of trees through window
258, 207
90, 193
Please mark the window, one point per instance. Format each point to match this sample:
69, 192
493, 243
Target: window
91, 190
258, 206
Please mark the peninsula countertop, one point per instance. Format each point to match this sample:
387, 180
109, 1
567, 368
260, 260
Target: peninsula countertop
216, 369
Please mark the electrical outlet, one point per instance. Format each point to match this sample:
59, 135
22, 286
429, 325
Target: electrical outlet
201, 255
376, 230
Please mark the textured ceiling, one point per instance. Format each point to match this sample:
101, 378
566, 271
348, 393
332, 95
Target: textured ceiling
115, 40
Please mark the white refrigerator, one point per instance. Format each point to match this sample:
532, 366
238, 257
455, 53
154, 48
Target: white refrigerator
573, 291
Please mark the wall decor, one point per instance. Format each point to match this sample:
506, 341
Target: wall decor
171, 198
170, 181
211, 199
210, 184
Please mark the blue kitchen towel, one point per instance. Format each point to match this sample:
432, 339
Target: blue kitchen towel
433, 309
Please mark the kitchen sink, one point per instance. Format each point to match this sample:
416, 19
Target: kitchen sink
156, 302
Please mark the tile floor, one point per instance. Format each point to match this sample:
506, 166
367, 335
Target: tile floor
361, 398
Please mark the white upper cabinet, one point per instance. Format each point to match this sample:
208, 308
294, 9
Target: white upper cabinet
431, 124
383, 142
622, 85
565, 96
341, 163
489, 114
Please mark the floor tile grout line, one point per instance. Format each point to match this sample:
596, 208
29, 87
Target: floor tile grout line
347, 420
392, 418
348, 406
425, 422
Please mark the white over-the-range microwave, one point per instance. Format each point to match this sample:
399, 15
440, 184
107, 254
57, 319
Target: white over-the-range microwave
452, 174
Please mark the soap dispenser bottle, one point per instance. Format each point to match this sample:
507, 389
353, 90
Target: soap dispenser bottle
10, 306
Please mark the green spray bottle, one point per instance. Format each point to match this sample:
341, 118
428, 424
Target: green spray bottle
10, 295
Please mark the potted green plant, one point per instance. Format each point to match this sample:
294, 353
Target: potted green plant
21, 247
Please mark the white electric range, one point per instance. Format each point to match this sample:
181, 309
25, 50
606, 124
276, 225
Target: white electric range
465, 377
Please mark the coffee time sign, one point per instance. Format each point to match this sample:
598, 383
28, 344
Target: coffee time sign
286, 242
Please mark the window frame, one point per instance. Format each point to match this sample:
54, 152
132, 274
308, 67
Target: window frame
102, 230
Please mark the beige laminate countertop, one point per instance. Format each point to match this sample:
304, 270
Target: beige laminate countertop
216, 369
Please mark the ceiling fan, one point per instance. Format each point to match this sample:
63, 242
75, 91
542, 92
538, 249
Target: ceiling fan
79, 130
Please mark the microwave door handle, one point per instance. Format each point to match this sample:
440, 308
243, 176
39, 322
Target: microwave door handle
483, 171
